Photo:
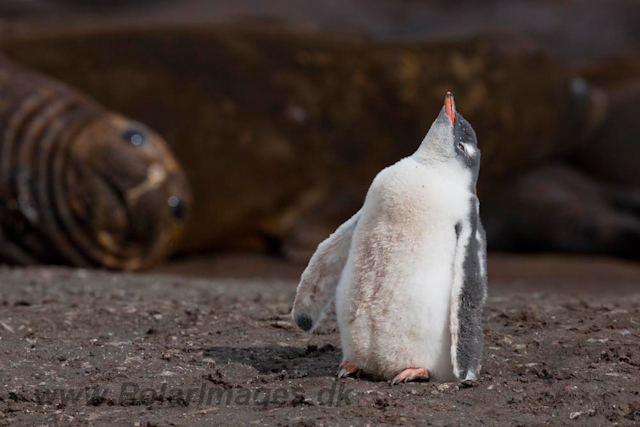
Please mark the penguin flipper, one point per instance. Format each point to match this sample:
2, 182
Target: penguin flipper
469, 292
319, 280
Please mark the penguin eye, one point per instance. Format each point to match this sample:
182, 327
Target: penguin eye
134, 137
461, 147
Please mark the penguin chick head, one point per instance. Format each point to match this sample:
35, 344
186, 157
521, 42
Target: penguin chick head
451, 139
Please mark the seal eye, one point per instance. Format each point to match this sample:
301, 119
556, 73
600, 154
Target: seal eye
177, 206
134, 137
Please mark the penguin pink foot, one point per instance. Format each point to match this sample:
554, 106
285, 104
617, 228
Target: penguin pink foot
411, 374
346, 368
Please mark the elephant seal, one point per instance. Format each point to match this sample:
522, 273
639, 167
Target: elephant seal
280, 131
79, 184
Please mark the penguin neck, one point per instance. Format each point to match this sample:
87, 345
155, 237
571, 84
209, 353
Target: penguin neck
431, 155
446, 168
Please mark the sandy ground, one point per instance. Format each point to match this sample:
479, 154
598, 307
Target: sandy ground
95, 348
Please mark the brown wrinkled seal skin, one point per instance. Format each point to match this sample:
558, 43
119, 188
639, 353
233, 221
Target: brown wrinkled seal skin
73, 189
612, 153
281, 132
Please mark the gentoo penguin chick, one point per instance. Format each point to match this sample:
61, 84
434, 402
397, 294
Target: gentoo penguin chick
408, 271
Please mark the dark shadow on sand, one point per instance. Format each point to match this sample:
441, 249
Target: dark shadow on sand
311, 361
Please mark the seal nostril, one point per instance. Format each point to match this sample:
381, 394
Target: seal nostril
177, 206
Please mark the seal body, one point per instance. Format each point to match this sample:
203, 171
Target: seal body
257, 105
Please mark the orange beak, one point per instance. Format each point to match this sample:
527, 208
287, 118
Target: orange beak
450, 107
